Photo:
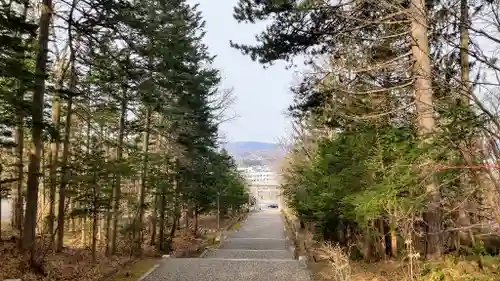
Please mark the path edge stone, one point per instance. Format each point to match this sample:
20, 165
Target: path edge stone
204, 253
148, 272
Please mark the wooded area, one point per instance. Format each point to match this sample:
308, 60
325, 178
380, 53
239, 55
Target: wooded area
109, 115
396, 137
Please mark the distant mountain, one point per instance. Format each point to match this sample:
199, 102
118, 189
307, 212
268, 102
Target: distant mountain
250, 146
250, 153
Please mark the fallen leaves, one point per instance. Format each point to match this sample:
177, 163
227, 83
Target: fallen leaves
71, 264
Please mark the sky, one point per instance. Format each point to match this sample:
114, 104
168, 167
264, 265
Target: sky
261, 95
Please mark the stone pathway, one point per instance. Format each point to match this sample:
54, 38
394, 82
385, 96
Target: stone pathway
258, 251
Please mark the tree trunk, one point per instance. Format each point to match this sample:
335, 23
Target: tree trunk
82, 223
464, 52
95, 221
142, 191
466, 149
53, 160
28, 239
367, 245
382, 234
186, 215
153, 221
18, 209
161, 232
1, 169
65, 178
18, 201
117, 188
175, 222
425, 115
195, 230
61, 212
394, 239
94, 235
109, 214
109, 217
42, 192
177, 214
100, 231
464, 217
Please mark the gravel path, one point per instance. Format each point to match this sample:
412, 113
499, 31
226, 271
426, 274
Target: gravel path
258, 251
249, 254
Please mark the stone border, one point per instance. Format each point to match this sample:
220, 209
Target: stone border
204, 253
291, 233
149, 272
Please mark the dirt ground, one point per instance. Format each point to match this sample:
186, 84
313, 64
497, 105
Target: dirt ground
75, 262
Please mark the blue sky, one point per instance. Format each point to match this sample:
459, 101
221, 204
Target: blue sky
262, 95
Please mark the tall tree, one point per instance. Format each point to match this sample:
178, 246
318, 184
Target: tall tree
29, 242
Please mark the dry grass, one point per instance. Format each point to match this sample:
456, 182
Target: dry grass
337, 259
447, 269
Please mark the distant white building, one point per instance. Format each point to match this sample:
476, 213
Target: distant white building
263, 183
259, 175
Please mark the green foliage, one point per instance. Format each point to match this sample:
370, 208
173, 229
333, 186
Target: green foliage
165, 69
358, 176
16, 66
365, 166
92, 183
143, 134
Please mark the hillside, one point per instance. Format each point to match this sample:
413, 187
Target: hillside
254, 153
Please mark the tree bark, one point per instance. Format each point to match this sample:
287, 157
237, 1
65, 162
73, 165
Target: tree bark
95, 217
1, 170
61, 210
117, 187
18, 209
175, 222
394, 239
196, 215
142, 192
425, 115
187, 216
65, 178
18, 201
94, 234
28, 239
467, 149
109, 215
464, 52
109, 219
153, 221
382, 234
161, 223
367, 242
54, 157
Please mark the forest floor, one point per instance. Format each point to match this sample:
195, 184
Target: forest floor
448, 269
339, 268
75, 261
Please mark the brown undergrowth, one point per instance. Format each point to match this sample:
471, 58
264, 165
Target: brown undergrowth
75, 261
328, 262
71, 264
449, 268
